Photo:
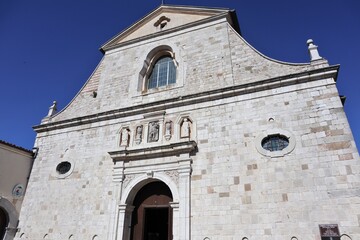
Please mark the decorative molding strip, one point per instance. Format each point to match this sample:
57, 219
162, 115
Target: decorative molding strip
272, 83
153, 152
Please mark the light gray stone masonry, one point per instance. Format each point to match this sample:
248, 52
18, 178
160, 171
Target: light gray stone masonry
223, 187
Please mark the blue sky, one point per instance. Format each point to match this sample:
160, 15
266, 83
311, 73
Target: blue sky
48, 48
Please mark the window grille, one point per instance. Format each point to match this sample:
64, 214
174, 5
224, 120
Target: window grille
63, 167
275, 142
163, 73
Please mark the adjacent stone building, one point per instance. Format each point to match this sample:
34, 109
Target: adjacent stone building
185, 131
15, 167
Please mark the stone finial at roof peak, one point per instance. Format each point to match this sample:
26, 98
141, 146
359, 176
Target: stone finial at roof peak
314, 54
52, 109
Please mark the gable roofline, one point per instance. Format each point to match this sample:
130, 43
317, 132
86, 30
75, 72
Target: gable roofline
173, 8
16, 147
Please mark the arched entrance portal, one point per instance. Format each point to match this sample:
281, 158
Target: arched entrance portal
152, 215
4, 221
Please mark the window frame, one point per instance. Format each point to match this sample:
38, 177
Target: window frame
59, 175
157, 66
274, 154
150, 60
275, 142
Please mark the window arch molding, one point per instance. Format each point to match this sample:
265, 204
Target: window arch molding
148, 65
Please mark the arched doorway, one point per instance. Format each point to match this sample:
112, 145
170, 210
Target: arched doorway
4, 221
152, 215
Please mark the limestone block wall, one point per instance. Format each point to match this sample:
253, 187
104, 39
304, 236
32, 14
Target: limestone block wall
235, 190
209, 57
79, 205
238, 192
250, 66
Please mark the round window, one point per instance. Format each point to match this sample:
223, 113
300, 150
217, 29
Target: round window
63, 167
275, 142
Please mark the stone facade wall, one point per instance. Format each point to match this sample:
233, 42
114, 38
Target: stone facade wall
259, 197
212, 58
234, 191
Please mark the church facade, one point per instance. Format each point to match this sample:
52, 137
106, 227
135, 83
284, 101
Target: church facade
185, 131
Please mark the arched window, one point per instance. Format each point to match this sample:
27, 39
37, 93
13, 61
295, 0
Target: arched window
163, 73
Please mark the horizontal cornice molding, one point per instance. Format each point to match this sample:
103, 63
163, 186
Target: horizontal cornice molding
212, 95
173, 149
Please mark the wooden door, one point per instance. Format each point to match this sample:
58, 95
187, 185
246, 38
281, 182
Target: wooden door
152, 215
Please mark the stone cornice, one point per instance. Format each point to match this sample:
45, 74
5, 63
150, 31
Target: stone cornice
212, 95
173, 149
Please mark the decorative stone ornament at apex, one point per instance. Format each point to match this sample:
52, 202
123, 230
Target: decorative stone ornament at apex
162, 22
314, 54
52, 109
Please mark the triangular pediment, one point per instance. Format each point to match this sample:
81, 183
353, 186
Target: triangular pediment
163, 19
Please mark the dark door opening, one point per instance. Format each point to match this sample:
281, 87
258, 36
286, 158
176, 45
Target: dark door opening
3, 223
156, 225
152, 216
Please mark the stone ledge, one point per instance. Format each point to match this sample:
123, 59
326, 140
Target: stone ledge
242, 89
173, 149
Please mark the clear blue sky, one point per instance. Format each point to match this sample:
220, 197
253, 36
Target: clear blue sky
48, 48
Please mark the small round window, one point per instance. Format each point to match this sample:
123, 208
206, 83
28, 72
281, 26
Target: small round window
275, 142
63, 167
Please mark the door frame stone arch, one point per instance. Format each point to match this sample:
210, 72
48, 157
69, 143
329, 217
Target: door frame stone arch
137, 183
176, 175
13, 217
161, 197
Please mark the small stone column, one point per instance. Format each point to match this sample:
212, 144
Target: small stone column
185, 201
124, 221
52, 111
176, 225
314, 54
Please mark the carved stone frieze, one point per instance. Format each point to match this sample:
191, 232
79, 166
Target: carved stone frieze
128, 179
174, 175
